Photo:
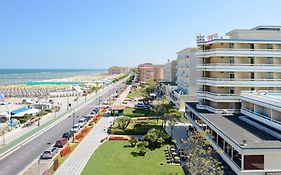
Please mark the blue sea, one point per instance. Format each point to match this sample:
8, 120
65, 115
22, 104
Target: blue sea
17, 76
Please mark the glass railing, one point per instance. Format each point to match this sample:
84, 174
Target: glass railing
261, 115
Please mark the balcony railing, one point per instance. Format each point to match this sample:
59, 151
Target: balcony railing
260, 115
240, 52
241, 82
240, 67
218, 96
216, 110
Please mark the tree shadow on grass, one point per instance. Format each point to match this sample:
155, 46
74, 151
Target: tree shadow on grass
137, 154
128, 146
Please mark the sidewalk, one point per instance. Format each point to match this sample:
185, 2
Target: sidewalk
77, 160
179, 132
21, 135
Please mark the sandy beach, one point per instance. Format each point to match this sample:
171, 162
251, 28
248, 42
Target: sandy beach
66, 88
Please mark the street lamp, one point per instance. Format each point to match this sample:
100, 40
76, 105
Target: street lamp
39, 166
67, 104
73, 137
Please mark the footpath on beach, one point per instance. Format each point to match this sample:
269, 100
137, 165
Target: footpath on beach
20, 136
78, 159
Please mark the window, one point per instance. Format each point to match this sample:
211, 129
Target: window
269, 75
253, 162
269, 60
251, 60
231, 90
269, 46
231, 60
237, 157
231, 75
252, 46
252, 75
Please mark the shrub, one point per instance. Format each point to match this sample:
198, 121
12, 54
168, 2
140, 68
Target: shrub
133, 141
142, 147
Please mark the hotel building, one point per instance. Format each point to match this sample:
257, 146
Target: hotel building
249, 60
186, 76
242, 75
148, 71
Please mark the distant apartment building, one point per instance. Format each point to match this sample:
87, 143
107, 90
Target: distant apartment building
118, 70
185, 77
148, 71
241, 74
171, 71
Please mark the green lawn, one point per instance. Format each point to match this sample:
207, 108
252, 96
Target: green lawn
138, 127
112, 158
136, 92
131, 112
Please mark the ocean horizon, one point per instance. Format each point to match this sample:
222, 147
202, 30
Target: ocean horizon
18, 76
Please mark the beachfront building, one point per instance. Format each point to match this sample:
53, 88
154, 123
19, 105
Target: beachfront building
148, 71
114, 70
263, 107
185, 77
248, 60
171, 71
249, 139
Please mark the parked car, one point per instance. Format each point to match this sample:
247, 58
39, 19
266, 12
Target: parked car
142, 106
67, 135
75, 128
49, 153
93, 112
82, 122
87, 117
96, 109
61, 142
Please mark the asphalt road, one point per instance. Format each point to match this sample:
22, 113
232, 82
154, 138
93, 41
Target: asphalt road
17, 161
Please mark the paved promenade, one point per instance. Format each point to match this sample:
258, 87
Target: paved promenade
76, 162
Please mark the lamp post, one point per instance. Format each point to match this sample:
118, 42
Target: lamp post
67, 103
100, 98
39, 166
73, 138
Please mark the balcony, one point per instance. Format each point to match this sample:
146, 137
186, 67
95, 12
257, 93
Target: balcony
262, 118
216, 110
240, 67
240, 52
239, 82
217, 97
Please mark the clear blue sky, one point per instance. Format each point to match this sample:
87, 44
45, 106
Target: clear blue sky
102, 33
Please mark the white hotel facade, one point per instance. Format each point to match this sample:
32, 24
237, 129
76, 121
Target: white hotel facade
239, 98
186, 77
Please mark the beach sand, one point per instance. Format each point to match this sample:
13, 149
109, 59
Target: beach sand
96, 77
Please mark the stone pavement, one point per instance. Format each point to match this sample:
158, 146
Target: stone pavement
77, 160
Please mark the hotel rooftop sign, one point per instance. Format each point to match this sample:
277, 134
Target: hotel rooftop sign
212, 36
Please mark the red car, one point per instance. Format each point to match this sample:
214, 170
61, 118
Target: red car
61, 142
